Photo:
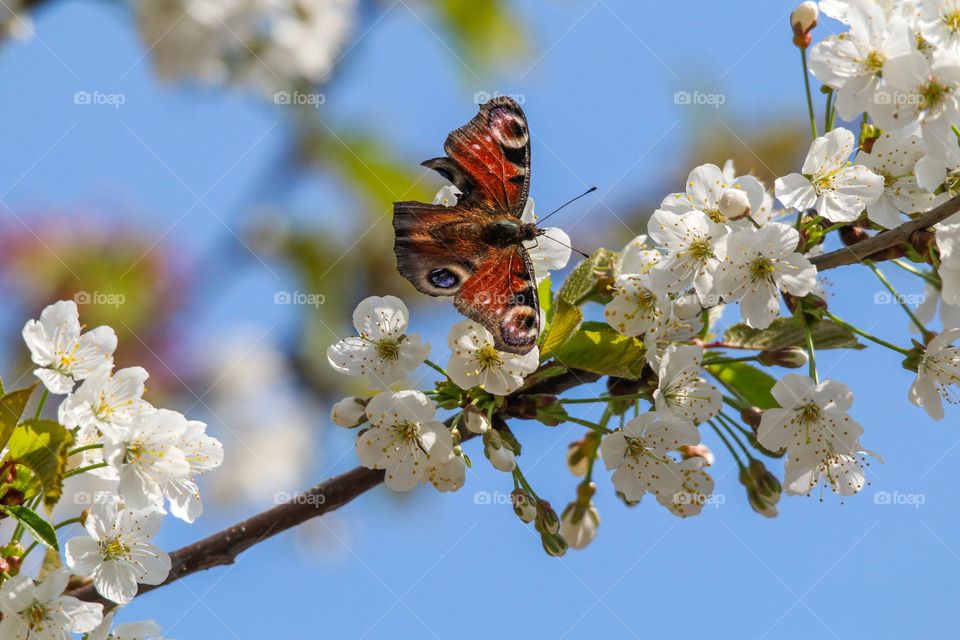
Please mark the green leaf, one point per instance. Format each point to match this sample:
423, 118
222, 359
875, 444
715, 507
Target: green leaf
591, 277
11, 408
783, 332
545, 296
481, 31
745, 381
565, 322
598, 348
41, 446
41, 530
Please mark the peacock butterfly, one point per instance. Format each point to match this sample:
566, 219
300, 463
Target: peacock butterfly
473, 250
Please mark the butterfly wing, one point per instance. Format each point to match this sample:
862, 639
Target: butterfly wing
502, 296
488, 159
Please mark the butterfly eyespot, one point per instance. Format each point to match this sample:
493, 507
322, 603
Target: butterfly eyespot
443, 278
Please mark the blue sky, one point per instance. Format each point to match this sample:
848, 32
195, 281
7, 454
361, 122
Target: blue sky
598, 90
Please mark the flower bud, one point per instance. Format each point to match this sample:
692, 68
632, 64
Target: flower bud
475, 420
734, 204
763, 488
577, 460
803, 20
687, 306
12, 498
524, 505
501, 456
349, 412
579, 524
789, 357
850, 235
553, 544
697, 451
547, 520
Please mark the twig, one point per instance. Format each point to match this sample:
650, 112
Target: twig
862, 250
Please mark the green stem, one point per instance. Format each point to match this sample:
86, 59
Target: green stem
903, 305
43, 401
729, 360
812, 353
830, 113
864, 334
436, 367
909, 268
725, 422
806, 86
591, 425
88, 447
79, 470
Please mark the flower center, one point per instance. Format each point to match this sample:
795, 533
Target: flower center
36, 615
809, 413
933, 94
700, 250
488, 357
715, 215
388, 350
761, 268
114, 548
952, 21
874, 61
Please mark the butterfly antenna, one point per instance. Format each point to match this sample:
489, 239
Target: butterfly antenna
563, 244
572, 200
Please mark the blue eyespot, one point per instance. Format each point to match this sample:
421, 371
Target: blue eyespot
443, 278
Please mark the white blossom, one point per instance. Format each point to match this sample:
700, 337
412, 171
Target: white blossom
106, 400
145, 630
893, 157
828, 183
696, 489
639, 454
694, 248
939, 23
805, 466
203, 453
938, 374
637, 307
681, 390
475, 362
579, 526
852, 63
636, 257
62, 352
41, 612
403, 438
550, 250
706, 186
348, 412
760, 264
383, 352
117, 553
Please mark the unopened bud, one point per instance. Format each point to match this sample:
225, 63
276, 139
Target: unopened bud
923, 242
803, 20
547, 520
12, 498
851, 235
553, 544
524, 505
789, 357
349, 412
13, 565
763, 488
475, 420
734, 204
579, 523
577, 460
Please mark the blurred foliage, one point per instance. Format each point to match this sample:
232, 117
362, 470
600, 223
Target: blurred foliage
482, 31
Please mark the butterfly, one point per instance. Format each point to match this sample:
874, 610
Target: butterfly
474, 250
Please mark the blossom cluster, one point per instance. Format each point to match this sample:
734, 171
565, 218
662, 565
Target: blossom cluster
725, 240
148, 460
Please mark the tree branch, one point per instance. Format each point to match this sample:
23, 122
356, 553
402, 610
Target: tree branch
223, 547
862, 250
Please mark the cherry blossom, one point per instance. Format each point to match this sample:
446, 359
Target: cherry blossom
34, 611
938, 374
681, 391
477, 363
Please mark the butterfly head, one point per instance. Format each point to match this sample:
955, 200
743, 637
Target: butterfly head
504, 233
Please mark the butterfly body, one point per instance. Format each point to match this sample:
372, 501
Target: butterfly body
473, 250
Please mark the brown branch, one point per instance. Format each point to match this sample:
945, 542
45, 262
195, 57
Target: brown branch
223, 547
862, 250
